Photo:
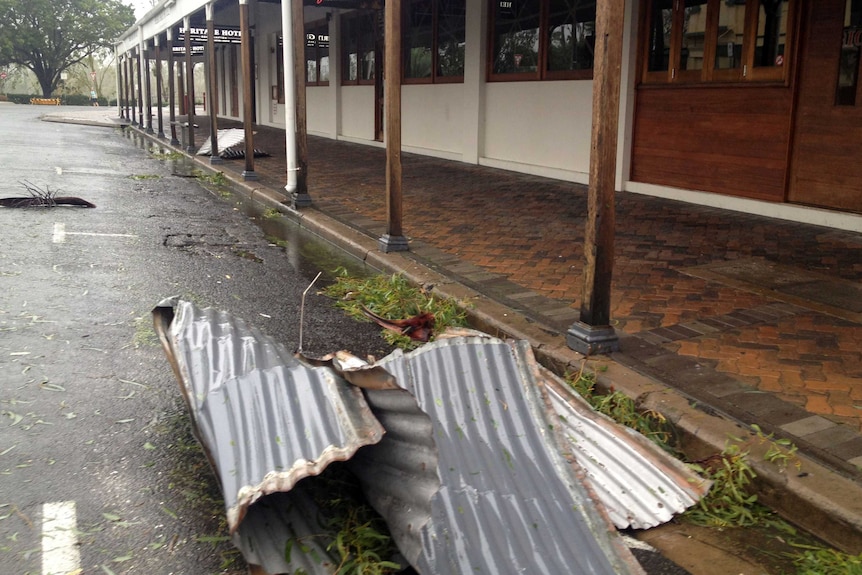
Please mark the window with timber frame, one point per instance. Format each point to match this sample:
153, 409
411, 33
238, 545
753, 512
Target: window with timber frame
704, 41
278, 88
317, 54
433, 40
359, 32
847, 91
541, 39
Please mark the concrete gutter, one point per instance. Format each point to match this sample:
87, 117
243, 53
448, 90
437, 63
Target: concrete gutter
813, 497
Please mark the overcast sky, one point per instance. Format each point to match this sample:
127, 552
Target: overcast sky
141, 6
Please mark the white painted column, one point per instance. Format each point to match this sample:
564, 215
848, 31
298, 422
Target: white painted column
289, 95
475, 52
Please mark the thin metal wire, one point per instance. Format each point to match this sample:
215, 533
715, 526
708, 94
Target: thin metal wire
302, 310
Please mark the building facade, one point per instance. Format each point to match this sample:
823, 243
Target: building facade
743, 104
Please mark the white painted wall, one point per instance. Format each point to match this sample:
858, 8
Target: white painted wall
540, 124
357, 113
432, 118
319, 108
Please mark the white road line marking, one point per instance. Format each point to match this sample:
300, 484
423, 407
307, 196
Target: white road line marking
60, 553
60, 234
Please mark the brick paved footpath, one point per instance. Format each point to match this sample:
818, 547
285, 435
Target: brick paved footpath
718, 312
756, 317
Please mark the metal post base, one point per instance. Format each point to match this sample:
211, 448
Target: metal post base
216, 160
301, 200
175, 142
247, 175
389, 243
591, 340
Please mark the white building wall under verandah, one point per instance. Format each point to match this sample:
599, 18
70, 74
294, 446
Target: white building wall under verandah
540, 127
536, 127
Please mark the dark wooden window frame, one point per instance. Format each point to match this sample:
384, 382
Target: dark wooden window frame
279, 69
542, 72
434, 78
346, 28
851, 95
314, 52
748, 72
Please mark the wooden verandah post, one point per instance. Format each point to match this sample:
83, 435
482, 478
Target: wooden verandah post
593, 332
212, 84
247, 104
172, 76
393, 240
190, 87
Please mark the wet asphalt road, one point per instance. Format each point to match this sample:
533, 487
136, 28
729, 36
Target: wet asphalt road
89, 410
90, 413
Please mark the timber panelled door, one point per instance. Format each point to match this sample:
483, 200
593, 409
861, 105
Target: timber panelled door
753, 98
714, 98
826, 170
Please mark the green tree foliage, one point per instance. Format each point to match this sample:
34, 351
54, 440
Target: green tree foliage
49, 36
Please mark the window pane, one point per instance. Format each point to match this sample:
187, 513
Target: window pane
350, 37
279, 67
367, 44
731, 27
693, 35
571, 34
418, 39
323, 54
660, 24
771, 33
848, 66
516, 36
451, 21
310, 57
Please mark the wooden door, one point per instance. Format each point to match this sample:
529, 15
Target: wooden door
825, 169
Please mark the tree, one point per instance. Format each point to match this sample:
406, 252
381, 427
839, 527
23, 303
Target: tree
50, 36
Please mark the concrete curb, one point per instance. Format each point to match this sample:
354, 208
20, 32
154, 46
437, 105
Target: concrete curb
811, 496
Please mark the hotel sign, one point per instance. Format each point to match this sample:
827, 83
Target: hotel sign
221, 35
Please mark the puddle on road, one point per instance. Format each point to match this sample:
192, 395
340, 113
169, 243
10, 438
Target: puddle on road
308, 253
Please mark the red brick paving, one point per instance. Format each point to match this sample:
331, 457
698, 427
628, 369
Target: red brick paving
530, 231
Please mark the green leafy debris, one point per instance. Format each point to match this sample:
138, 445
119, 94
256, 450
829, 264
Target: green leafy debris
393, 297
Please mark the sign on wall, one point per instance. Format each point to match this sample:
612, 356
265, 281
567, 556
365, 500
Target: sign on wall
221, 35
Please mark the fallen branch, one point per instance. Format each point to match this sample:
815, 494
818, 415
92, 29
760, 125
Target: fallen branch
40, 198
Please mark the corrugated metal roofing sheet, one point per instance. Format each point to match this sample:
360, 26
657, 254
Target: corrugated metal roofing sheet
470, 475
265, 420
639, 485
507, 501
